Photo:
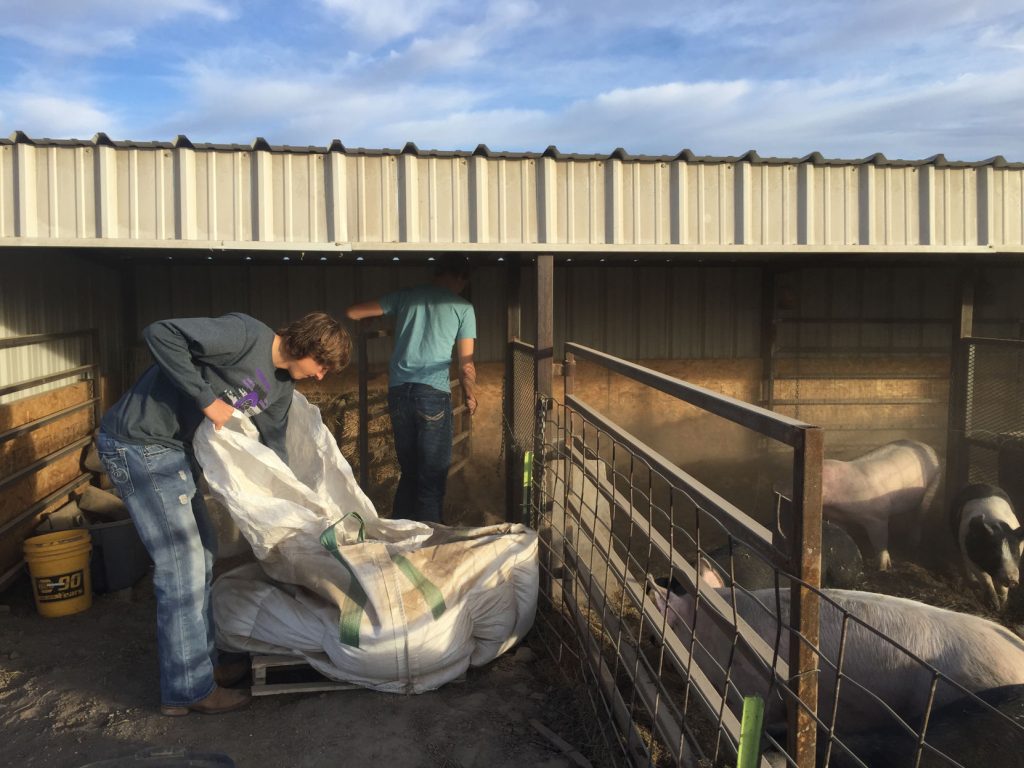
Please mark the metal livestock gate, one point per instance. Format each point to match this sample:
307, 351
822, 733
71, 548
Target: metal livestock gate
613, 513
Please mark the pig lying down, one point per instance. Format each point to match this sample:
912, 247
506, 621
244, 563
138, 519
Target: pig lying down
976, 734
991, 540
897, 478
970, 651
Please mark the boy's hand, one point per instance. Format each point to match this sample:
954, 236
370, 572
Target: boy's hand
219, 413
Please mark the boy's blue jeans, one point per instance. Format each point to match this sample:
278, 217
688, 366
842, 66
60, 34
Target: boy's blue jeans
156, 483
421, 419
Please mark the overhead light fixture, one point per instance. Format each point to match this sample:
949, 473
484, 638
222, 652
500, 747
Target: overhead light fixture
501, 258
395, 258
248, 258
286, 258
359, 258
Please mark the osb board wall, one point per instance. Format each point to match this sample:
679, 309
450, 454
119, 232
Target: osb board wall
26, 449
676, 430
684, 434
29, 447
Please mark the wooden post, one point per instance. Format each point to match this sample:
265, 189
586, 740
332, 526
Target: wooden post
364, 411
768, 335
805, 559
963, 328
545, 324
513, 330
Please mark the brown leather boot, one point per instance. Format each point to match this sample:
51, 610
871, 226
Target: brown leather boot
220, 701
227, 675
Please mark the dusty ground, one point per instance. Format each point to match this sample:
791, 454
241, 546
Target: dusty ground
84, 688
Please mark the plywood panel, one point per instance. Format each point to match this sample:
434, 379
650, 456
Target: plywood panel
25, 449
23, 493
35, 407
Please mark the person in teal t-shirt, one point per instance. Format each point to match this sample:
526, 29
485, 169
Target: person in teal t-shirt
429, 321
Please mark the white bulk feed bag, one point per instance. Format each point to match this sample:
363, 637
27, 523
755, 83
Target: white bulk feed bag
394, 605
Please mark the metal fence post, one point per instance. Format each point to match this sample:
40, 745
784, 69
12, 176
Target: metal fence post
364, 412
805, 557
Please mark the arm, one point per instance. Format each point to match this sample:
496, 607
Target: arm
177, 347
467, 372
273, 426
365, 310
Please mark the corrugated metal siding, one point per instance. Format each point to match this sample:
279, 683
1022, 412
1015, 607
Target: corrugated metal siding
53, 293
122, 193
903, 297
999, 304
640, 311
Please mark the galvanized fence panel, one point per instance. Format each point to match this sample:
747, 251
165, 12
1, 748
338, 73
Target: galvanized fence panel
664, 673
992, 423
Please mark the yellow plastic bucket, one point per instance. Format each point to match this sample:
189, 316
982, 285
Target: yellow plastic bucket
58, 564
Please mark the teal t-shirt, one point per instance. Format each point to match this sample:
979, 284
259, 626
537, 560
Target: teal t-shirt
428, 321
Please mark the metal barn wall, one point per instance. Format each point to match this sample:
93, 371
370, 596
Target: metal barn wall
52, 292
639, 311
160, 194
999, 302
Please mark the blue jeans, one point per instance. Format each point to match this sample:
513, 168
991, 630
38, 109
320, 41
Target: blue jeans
157, 485
421, 419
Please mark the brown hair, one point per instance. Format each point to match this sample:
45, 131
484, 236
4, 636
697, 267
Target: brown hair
320, 336
454, 264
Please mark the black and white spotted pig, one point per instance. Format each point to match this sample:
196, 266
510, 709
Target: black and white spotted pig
991, 540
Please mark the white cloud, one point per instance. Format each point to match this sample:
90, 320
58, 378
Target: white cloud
383, 20
89, 28
43, 115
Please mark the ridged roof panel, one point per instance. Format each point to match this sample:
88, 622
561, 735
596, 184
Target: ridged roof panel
619, 153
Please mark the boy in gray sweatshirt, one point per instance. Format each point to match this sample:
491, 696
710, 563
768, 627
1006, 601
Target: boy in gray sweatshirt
205, 368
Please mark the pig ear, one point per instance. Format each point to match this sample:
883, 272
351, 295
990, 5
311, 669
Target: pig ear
709, 574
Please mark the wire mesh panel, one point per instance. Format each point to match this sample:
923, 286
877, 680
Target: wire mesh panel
993, 417
612, 513
519, 395
667, 605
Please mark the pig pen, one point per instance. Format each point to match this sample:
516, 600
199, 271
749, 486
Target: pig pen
613, 512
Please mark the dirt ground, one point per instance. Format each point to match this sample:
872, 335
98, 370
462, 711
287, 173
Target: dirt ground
82, 689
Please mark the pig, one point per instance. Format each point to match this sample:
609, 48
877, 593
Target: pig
991, 540
899, 477
973, 652
977, 732
841, 563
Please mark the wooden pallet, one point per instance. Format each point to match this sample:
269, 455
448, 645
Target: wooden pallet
290, 674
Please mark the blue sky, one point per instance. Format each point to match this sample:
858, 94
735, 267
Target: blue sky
908, 78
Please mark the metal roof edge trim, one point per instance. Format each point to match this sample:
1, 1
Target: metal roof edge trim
260, 144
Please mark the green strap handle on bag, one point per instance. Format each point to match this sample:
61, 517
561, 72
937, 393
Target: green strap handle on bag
355, 602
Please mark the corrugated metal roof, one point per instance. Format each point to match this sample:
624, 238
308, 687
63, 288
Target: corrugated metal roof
481, 150
145, 195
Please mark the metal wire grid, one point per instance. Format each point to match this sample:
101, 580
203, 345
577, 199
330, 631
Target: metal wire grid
520, 398
994, 410
601, 510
